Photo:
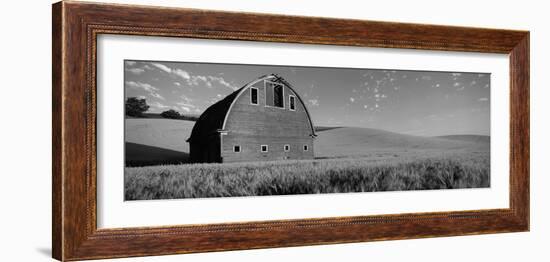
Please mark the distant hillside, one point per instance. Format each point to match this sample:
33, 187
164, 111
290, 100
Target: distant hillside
157, 116
350, 141
468, 138
325, 128
157, 140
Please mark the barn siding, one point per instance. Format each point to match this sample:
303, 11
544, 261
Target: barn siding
253, 125
205, 151
250, 148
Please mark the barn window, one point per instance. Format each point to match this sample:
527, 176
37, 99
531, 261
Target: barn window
263, 148
237, 149
305, 148
287, 148
254, 96
274, 94
278, 95
292, 102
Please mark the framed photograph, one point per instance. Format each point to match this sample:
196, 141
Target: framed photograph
181, 130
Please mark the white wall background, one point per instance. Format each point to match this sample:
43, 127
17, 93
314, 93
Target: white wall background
25, 147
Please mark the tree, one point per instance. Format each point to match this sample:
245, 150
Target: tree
136, 107
173, 114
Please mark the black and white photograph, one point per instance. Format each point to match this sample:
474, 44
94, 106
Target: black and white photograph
201, 130
275, 131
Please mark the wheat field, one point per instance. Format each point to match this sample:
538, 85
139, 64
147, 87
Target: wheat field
342, 175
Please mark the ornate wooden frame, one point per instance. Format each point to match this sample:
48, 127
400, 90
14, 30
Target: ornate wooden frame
76, 26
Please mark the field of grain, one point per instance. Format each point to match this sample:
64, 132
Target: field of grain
347, 159
461, 170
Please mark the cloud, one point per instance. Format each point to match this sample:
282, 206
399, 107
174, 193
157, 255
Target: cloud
156, 95
483, 99
162, 67
186, 100
195, 80
209, 81
181, 73
177, 83
146, 87
136, 71
313, 102
351, 99
185, 105
158, 105
222, 82
456, 75
201, 78
176, 72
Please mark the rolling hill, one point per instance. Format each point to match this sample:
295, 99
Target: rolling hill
355, 141
468, 138
157, 141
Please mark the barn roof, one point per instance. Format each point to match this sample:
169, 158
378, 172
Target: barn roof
213, 118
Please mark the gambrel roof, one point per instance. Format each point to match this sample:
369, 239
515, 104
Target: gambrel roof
212, 120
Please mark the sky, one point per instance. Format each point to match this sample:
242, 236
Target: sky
423, 103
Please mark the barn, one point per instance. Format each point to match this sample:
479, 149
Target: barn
264, 120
